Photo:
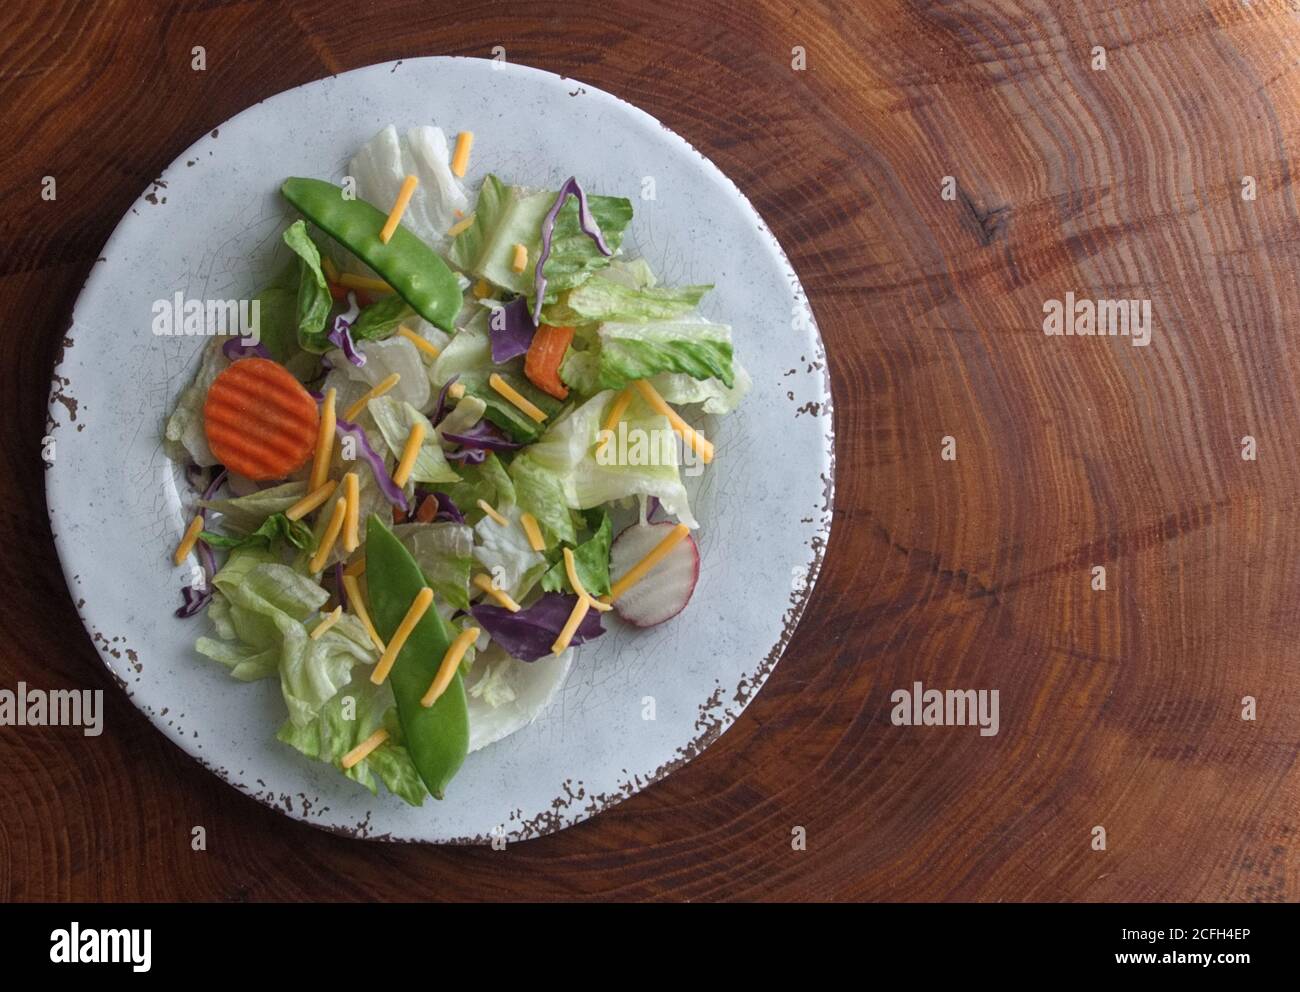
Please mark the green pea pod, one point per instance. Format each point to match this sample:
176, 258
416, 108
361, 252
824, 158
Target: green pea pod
381, 319
437, 736
412, 268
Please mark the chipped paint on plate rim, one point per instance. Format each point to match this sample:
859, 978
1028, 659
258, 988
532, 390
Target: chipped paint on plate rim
206, 227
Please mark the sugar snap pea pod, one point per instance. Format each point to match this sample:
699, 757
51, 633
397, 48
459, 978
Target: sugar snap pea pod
437, 736
412, 268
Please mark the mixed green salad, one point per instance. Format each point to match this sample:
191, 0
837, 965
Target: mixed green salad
407, 475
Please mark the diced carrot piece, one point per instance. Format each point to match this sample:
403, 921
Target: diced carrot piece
542, 363
428, 510
260, 422
340, 293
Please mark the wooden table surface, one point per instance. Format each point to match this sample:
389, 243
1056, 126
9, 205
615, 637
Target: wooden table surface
1120, 708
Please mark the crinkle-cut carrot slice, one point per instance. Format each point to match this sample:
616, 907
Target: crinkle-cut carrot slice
260, 422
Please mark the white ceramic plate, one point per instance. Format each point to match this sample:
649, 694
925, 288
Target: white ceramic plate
206, 228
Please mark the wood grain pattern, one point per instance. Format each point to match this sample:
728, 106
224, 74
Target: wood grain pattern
1119, 708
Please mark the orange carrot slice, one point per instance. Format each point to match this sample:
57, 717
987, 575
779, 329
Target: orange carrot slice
542, 363
260, 422
427, 511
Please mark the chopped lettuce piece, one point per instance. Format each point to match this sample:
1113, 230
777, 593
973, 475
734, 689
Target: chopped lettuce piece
314, 300
445, 553
395, 421
590, 560
624, 352
184, 433
506, 555
268, 604
355, 712
510, 215
489, 482
679, 389
274, 529
602, 299
245, 514
566, 453
387, 159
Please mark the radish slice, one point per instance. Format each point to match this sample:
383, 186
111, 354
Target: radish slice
665, 590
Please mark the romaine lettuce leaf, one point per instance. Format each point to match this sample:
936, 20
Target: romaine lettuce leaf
601, 299
590, 560
624, 352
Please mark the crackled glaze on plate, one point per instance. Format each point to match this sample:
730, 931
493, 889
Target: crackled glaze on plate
207, 228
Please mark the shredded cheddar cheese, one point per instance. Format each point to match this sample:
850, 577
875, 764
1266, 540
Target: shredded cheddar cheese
515, 397
456, 390
190, 539
357, 567
352, 517
638, 571
688, 433
484, 582
330, 536
399, 208
364, 282
571, 570
331, 270
428, 347
491, 511
358, 605
378, 389
320, 465
330, 620
450, 662
529, 524
482, 290
461, 225
409, 454
571, 625
359, 753
311, 501
418, 608
616, 411
520, 260
460, 157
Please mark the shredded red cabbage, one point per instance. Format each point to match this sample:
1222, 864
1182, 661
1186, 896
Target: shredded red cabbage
390, 489
236, 348
197, 599
585, 220
468, 456
529, 634
341, 336
484, 435
440, 410
511, 330
340, 590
